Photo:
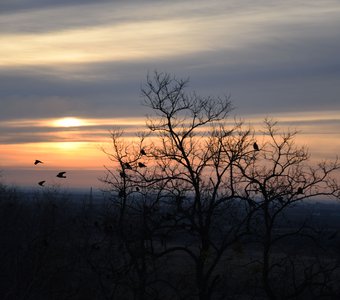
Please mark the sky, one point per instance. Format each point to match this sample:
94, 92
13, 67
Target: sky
87, 60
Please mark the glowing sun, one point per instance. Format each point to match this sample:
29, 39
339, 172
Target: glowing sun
69, 122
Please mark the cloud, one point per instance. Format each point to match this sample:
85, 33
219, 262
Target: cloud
12, 6
89, 60
126, 32
44, 95
45, 130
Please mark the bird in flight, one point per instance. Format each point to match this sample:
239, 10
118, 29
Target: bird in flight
256, 147
142, 152
61, 175
141, 165
37, 161
41, 183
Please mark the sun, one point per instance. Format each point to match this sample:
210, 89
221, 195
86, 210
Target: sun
69, 122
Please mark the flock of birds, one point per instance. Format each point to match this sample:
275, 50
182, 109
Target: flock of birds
127, 165
59, 175
62, 174
141, 165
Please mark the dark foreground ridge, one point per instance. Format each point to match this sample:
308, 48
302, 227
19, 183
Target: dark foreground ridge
58, 245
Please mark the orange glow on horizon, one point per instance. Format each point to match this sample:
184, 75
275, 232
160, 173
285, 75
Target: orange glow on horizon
80, 148
74, 155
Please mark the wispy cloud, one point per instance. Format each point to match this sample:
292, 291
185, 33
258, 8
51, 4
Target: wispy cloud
48, 130
128, 32
98, 130
271, 56
88, 60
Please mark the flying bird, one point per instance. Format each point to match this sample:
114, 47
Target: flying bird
41, 183
142, 152
256, 147
141, 165
300, 190
37, 161
61, 175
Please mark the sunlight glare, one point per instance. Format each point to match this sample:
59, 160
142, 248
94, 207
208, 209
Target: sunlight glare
69, 122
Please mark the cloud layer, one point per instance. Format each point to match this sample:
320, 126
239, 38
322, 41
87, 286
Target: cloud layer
88, 60
79, 58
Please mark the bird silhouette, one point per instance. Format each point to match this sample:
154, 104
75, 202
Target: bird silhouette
137, 189
127, 166
122, 174
299, 190
61, 175
141, 165
41, 183
142, 152
37, 161
256, 147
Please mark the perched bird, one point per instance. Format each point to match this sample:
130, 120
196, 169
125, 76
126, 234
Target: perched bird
256, 147
37, 161
137, 189
142, 152
299, 190
122, 174
41, 183
141, 165
127, 166
61, 175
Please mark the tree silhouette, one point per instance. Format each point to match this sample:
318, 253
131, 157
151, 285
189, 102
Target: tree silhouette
188, 170
209, 191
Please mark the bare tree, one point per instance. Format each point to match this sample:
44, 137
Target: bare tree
275, 177
184, 165
200, 185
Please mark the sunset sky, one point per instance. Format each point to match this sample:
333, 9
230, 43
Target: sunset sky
71, 70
